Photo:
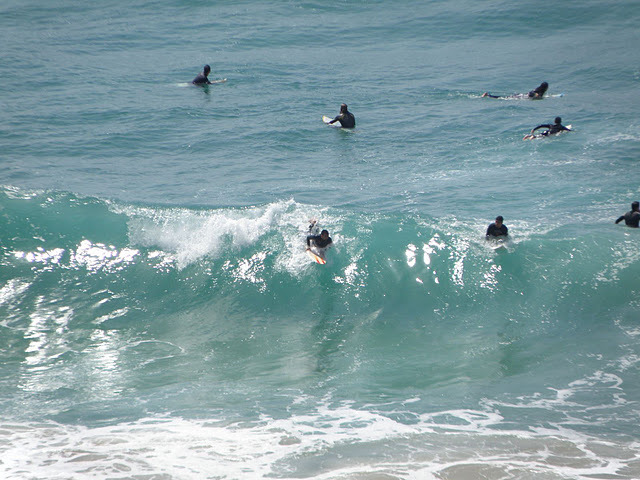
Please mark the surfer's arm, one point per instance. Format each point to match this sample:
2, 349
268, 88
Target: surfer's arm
487, 94
337, 119
546, 125
310, 238
620, 219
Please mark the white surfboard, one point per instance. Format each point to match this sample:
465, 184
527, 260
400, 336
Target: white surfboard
326, 120
498, 243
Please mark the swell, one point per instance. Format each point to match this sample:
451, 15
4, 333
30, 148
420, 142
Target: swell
422, 263
144, 308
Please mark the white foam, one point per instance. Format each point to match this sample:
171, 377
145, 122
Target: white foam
192, 235
12, 290
324, 441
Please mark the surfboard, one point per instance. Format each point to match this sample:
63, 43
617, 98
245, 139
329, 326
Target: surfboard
528, 136
221, 80
326, 120
498, 243
316, 257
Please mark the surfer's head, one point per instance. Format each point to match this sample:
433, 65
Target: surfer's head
324, 234
499, 220
558, 120
635, 206
544, 86
207, 69
343, 108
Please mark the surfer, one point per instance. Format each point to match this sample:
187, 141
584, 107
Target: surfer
497, 229
203, 77
535, 94
346, 118
552, 129
632, 217
319, 241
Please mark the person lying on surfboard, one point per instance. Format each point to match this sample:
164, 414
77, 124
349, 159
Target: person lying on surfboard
346, 118
319, 241
535, 94
552, 129
203, 77
497, 229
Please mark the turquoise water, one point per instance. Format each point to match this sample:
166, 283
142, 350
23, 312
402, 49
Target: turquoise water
159, 318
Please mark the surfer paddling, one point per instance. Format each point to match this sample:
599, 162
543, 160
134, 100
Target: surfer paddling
319, 241
632, 217
535, 94
203, 77
346, 118
551, 129
497, 229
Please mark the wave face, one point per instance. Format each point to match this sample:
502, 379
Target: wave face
125, 325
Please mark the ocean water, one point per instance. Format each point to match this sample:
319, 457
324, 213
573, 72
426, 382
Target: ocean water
159, 318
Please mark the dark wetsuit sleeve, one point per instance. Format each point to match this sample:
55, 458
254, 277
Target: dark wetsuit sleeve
318, 241
347, 120
494, 231
620, 219
545, 125
201, 79
536, 93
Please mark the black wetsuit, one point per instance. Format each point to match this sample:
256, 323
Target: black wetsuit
536, 93
495, 231
631, 218
201, 79
552, 128
346, 119
318, 241
533, 94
